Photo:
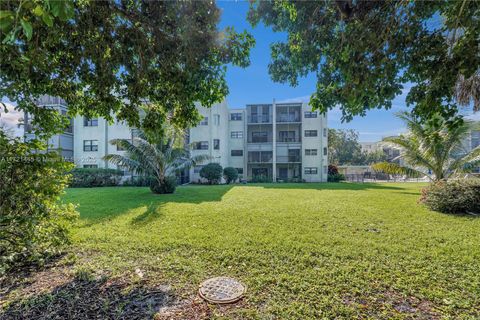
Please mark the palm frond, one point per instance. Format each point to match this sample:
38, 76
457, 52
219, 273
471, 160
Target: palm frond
393, 168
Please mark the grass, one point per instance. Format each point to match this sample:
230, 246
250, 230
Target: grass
305, 251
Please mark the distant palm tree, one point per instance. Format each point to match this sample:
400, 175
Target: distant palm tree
435, 151
158, 157
467, 90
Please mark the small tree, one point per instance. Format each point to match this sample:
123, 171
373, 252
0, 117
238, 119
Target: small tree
212, 172
230, 174
33, 221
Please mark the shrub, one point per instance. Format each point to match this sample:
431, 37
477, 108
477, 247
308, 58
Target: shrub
230, 174
93, 177
138, 181
261, 179
33, 221
453, 196
335, 177
332, 169
168, 186
212, 172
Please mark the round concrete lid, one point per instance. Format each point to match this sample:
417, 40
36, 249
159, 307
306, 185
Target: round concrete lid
221, 290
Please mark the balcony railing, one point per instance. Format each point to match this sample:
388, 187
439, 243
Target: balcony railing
262, 118
266, 157
285, 159
289, 139
288, 118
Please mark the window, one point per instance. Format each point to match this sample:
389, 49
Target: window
216, 119
200, 145
310, 114
236, 153
197, 169
90, 166
325, 132
325, 151
325, 169
260, 136
239, 170
286, 136
216, 144
236, 134
204, 121
90, 145
237, 116
310, 133
90, 122
311, 170
310, 152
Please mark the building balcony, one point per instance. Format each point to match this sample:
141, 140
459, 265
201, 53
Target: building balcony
259, 119
285, 118
289, 159
289, 140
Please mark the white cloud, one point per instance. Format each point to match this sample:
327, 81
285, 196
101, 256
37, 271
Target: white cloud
474, 117
9, 120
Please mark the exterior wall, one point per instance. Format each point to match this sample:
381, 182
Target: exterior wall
234, 143
103, 133
63, 142
212, 131
320, 142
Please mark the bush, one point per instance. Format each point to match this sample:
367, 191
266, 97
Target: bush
93, 177
168, 186
212, 172
138, 181
261, 179
335, 177
230, 174
33, 220
332, 169
453, 196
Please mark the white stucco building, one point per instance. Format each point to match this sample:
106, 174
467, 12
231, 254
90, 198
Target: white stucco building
264, 142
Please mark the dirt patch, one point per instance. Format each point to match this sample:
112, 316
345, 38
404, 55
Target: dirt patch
391, 302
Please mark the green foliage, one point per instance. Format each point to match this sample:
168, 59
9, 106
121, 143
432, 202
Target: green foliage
168, 185
435, 145
212, 172
336, 177
93, 177
137, 181
160, 156
108, 57
32, 220
453, 196
365, 53
261, 179
343, 147
230, 174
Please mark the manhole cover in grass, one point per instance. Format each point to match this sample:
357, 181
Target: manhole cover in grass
221, 290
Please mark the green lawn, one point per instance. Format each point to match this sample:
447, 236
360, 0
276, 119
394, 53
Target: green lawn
305, 251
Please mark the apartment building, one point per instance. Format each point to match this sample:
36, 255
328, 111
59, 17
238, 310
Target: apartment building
264, 142
63, 143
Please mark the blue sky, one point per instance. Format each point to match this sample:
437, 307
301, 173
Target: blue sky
253, 84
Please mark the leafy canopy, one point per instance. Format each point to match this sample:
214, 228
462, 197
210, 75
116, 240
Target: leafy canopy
111, 57
364, 52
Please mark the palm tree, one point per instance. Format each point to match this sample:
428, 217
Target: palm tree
467, 90
435, 149
158, 156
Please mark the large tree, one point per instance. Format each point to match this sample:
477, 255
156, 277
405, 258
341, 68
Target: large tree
110, 57
365, 52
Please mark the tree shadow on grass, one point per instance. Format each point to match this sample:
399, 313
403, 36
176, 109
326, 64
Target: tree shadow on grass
92, 299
